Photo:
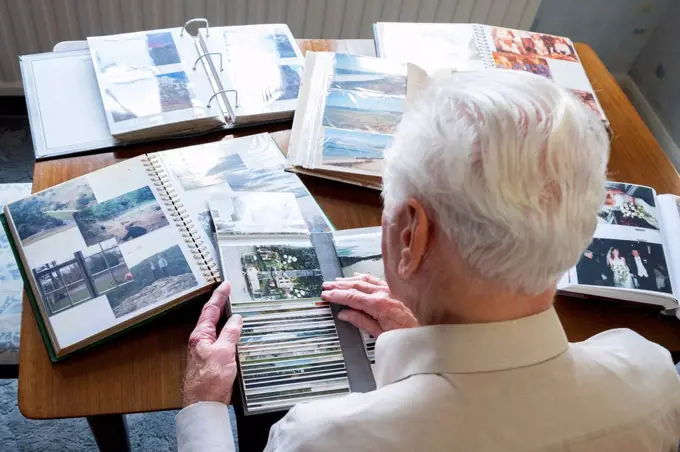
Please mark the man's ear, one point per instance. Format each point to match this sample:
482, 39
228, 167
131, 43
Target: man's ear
414, 237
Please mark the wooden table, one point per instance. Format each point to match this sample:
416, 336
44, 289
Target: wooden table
143, 370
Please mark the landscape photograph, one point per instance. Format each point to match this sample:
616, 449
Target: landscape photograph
152, 279
369, 74
361, 111
162, 49
342, 144
360, 252
206, 169
124, 218
174, 91
51, 211
271, 272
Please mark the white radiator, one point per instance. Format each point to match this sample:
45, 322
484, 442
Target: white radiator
33, 26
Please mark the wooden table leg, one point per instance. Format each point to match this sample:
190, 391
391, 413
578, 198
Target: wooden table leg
110, 432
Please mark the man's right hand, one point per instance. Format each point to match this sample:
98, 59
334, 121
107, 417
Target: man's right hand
372, 307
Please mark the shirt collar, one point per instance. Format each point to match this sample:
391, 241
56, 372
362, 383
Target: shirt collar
468, 348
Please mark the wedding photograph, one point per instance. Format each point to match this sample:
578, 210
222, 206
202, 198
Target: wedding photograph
526, 63
152, 279
626, 264
257, 214
362, 111
271, 272
51, 211
629, 205
124, 218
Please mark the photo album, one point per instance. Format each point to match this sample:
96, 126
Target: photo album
476, 46
108, 250
148, 85
635, 250
291, 347
348, 109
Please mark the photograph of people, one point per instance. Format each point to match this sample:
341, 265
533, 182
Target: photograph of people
629, 205
626, 264
506, 41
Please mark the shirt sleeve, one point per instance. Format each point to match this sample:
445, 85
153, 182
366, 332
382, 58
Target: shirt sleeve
204, 427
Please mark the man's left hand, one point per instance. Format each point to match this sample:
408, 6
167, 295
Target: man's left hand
211, 367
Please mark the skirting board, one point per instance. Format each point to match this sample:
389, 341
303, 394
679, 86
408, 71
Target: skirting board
650, 117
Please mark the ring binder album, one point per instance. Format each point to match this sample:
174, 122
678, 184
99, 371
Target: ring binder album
222, 92
196, 19
182, 219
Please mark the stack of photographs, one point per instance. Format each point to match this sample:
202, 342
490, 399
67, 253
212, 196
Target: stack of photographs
360, 252
289, 349
349, 109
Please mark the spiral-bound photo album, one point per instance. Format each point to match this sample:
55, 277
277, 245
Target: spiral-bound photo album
462, 47
108, 250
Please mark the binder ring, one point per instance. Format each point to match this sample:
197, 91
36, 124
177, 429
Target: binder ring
210, 53
198, 19
224, 91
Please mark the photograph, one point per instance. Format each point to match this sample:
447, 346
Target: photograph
162, 48
624, 263
210, 169
124, 218
281, 338
527, 43
360, 111
360, 253
82, 276
340, 145
152, 279
588, 99
271, 272
50, 212
294, 371
257, 42
257, 214
254, 329
368, 74
526, 63
174, 91
629, 205
294, 378
286, 87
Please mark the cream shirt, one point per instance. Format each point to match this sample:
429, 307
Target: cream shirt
506, 386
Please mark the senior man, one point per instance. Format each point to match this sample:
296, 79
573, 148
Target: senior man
491, 190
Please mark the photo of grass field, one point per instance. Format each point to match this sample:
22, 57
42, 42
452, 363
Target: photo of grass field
362, 111
124, 218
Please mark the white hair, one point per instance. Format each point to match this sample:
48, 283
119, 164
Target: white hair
512, 168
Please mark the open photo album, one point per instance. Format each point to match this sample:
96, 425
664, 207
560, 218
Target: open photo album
108, 250
349, 107
292, 349
160, 82
475, 46
635, 250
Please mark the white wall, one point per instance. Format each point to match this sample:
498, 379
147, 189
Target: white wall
616, 29
662, 89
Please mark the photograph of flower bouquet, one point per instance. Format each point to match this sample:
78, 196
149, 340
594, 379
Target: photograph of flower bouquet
629, 205
628, 264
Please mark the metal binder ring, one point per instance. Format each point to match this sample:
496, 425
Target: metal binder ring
224, 91
210, 53
198, 19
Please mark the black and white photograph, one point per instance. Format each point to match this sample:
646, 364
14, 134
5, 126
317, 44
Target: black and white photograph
629, 205
124, 218
152, 279
51, 211
257, 214
81, 276
271, 272
626, 264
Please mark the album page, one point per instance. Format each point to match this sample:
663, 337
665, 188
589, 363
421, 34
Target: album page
102, 252
262, 68
152, 80
628, 251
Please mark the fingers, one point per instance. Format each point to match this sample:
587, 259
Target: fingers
231, 332
365, 277
351, 298
361, 321
205, 331
358, 284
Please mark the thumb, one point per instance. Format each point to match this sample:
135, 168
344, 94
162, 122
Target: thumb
231, 331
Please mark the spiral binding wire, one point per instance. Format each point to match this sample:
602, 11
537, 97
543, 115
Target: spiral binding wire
181, 217
483, 46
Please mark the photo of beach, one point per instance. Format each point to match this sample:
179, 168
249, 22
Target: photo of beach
361, 111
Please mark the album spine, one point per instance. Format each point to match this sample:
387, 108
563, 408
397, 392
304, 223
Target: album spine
483, 47
181, 217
